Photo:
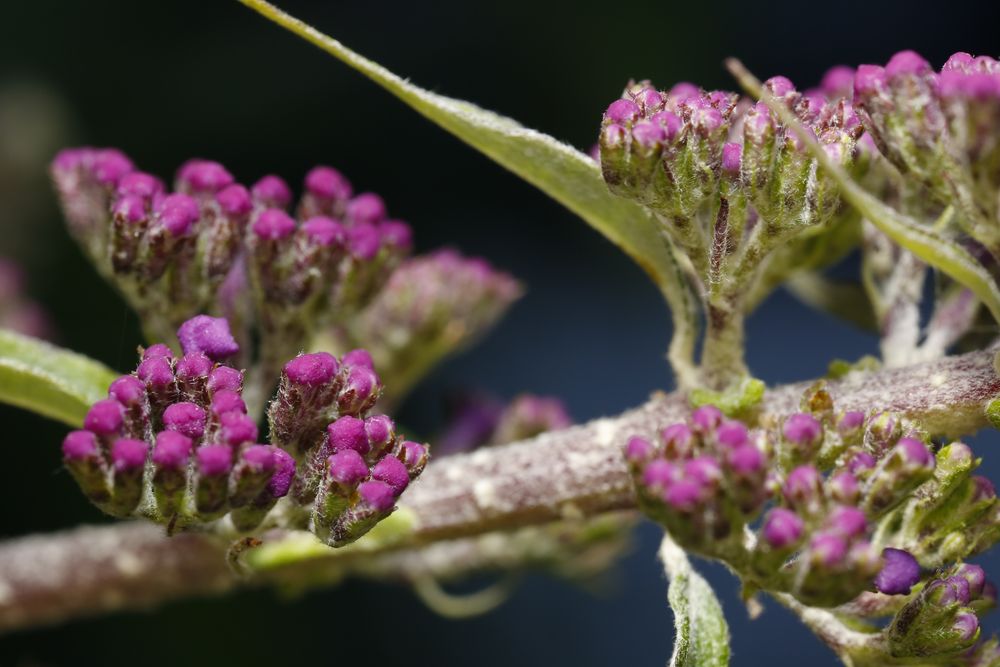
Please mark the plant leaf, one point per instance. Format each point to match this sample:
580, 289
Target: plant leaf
702, 638
50, 380
923, 241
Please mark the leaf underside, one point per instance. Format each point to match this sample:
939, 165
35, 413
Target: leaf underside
50, 380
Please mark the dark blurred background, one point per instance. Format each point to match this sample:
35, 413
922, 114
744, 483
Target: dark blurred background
169, 80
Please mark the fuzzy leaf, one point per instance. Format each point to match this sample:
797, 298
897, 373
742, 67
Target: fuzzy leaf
564, 173
702, 638
49, 380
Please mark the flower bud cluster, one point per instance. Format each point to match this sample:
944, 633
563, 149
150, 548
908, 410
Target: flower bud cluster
852, 501
727, 180
353, 467
943, 619
173, 442
942, 129
431, 306
213, 245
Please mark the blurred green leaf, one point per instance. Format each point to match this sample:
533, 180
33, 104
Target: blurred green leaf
702, 638
49, 380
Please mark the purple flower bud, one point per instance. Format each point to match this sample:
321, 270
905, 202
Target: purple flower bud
779, 86
683, 90
802, 486
396, 233
155, 372
327, 183
311, 370
258, 458
965, 625
684, 494
847, 521
105, 417
869, 80
648, 134
850, 422
272, 191
703, 469
377, 495
284, 473
658, 475
838, 82
110, 165
843, 488
157, 351
141, 185
649, 100
323, 231
827, 549
414, 456
192, 366
127, 390
638, 450
225, 401
128, 454
803, 430
731, 157
80, 446
237, 428
747, 460
915, 453
706, 418
732, 434
347, 468
782, 528
359, 357
130, 209
906, 63
363, 241
224, 378
380, 431
214, 460
860, 462
273, 225
185, 418
393, 472
348, 433
983, 489
366, 208
234, 201
360, 390
172, 450
622, 111
975, 575
203, 176
177, 214
210, 335
669, 121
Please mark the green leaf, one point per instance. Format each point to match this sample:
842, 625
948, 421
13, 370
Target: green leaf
923, 241
561, 171
702, 638
49, 380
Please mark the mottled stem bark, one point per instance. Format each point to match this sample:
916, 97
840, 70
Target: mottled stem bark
570, 473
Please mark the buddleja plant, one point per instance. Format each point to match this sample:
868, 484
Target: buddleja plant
251, 442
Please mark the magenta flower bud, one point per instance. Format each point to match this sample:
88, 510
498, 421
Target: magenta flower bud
396, 233
704, 469
185, 418
802, 488
860, 462
782, 528
706, 418
234, 201
127, 390
323, 231
414, 456
105, 417
838, 82
110, 165
360, 390
172, 450
203, 176
983, 489
258, 458
648, 134
157, 351
732, 434
975, 575
347, 468
747, 460
284, 473
393, 472
130, 209
847, 521
658, 475
850, 423
348, 433
649, 100
683, 90
377, 495
622, 111
381, 432
678, 440
141, 185
684, 494
311, 370
128, 454
177, 214
210, 335
843, 488
236, 428
327, 183
193, 366
915, 453
638, 450
731, 157
779, 86
869, 80
827, 550
80, 446
906, 63
802, 430
224, 378
214, 460
156, 373
959, 61
273, 225
363, 241
965, 626
272, 191
366, 208
669, 121
225, 401
359, 357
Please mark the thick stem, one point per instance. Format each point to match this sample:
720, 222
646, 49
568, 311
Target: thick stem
569, 473
722, 361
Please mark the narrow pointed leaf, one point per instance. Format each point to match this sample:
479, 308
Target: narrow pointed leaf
702, 636
923, 241
49, 380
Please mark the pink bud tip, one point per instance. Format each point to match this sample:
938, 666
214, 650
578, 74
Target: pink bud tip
155, 372
906, 63
127, 390
366, 208
204, 176
638, 449
79, 446
172, 450
177, 213
622, 111
214, 460
732, 154
359, 357
225, 378
104, 417
128, 454
234, 200
210, 335
237, 429
273, 224
847, 521
225, 401
284, 473
706, 418
194, 365
414, 454
802, 429
732, 434
782, 528
311, 370
141, 185
272, 191
377, 495
347, 467
157, 351
259, 458
186, 418
363, 241
323, 231
348, 433
327, 183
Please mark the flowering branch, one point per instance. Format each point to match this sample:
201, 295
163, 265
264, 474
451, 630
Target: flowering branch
570, 473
